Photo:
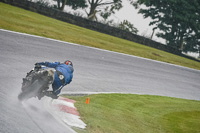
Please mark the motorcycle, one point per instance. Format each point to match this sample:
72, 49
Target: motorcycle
36, 83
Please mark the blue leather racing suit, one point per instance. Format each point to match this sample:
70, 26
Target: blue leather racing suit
63, 75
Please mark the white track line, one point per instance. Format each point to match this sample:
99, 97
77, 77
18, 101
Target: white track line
96, 49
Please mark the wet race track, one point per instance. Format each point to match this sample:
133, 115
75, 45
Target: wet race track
95, 71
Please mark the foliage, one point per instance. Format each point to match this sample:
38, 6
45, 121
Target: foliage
177, 19
106, 13
109, 6
20, 20
73, 3
127, 26
43, 3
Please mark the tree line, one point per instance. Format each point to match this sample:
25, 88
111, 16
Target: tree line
176, 20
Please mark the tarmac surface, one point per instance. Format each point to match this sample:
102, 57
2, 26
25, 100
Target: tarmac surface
95, 71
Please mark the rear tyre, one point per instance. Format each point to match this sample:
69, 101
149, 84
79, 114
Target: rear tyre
21, 96
30, 91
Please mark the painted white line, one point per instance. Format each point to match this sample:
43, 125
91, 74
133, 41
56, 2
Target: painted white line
71, 119
67, 118
97, 49
90, 93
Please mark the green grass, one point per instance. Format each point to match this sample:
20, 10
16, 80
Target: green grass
130, 113
17, 19
114, 113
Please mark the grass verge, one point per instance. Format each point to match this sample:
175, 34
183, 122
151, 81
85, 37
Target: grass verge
130, 113
17, 19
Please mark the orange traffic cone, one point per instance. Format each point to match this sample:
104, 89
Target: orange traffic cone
87, 101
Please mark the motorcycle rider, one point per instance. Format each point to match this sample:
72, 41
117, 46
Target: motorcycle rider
62, 76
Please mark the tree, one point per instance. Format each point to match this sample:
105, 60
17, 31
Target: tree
109, 5
192, 44
73, 3
178, 20
127, 26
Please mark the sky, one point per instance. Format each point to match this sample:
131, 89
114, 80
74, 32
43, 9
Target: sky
128, 12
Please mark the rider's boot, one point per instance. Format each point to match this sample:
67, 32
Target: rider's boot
51, 94
40, 95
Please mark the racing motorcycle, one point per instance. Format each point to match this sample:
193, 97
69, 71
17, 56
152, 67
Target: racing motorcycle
36, 83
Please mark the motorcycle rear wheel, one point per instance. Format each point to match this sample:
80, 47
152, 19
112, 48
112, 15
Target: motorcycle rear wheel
30, 91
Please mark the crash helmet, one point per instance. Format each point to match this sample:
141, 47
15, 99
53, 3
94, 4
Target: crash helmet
68, 62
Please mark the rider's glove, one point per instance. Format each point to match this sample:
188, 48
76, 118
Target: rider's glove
37, 66
36, 63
